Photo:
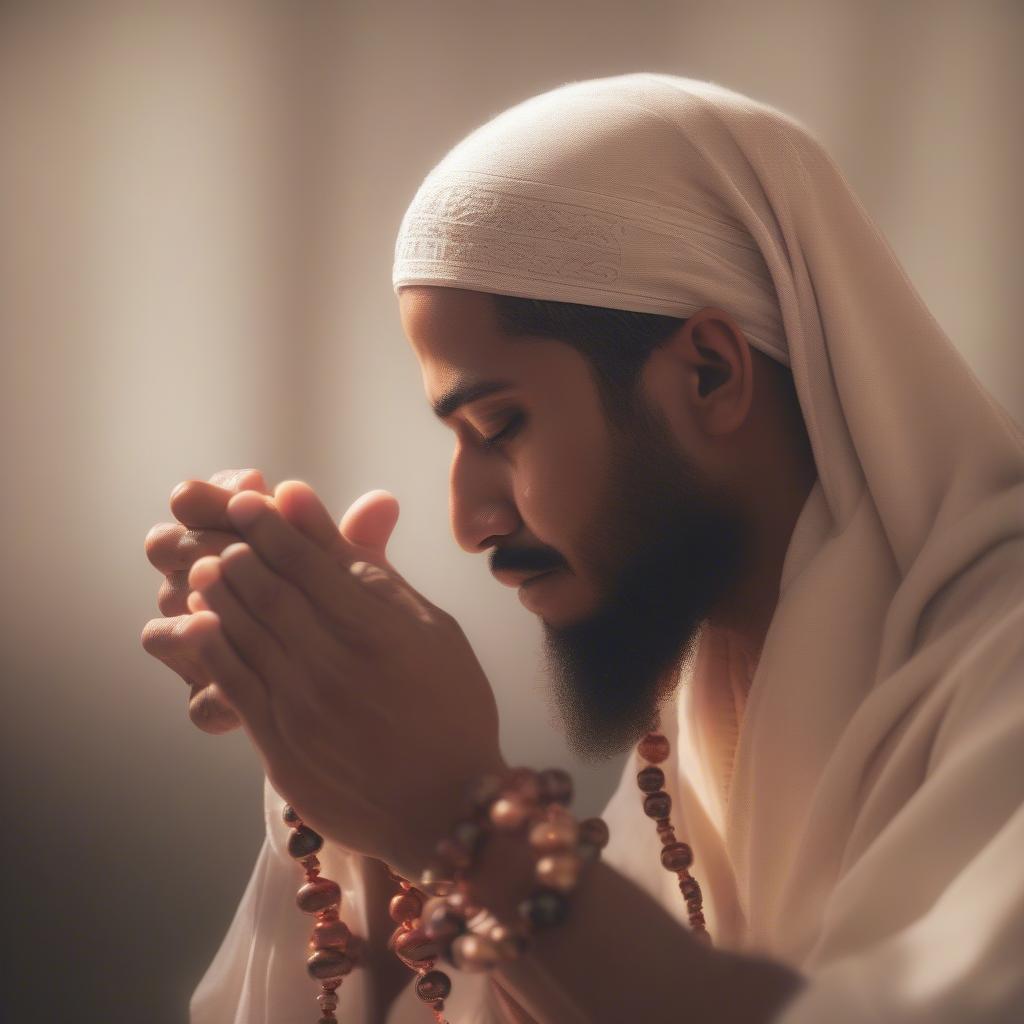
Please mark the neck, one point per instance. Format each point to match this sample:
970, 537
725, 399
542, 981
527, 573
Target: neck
746, 615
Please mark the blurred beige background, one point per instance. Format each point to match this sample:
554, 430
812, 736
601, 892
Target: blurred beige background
198, 203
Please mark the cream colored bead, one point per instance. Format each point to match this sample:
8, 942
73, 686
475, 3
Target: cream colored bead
549, 836
558, 871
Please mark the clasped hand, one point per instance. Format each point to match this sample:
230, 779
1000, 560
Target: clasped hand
366, 703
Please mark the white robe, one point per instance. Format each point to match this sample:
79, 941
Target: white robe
873, 840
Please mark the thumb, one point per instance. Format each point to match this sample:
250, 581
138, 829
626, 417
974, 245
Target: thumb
364, 531
369, 523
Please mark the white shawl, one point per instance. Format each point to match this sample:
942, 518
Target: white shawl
860, 819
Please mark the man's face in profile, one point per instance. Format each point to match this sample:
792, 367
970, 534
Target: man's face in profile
636, 546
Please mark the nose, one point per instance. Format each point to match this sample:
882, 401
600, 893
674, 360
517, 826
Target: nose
480, 502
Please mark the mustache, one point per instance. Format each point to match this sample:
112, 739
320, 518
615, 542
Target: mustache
525, 560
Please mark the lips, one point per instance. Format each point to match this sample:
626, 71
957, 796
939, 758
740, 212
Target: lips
516, 578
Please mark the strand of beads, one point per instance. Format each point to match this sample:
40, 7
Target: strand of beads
335, 950
414, 948
532, 804
675, 856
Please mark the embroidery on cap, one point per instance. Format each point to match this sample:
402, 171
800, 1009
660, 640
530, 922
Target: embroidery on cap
553, 239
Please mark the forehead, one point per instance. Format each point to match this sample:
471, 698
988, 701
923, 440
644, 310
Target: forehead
457, 339
456, 336
451, 326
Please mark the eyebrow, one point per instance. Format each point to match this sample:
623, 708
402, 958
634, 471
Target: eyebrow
466, 391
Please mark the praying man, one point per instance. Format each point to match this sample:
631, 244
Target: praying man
760, 507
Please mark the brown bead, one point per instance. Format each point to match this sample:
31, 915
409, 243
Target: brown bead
554, 835
654, 748
525, 784
558, 871
556, 786
290, 816
697, 919
650, 779
318, 895
676, 857
328, 963
433, 985
657, 805
508, 813
414, 946
304, 841
472, 952
330, 933
594, 830
405, 906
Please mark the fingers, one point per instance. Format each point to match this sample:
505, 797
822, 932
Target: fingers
244, 690
170, 641
201, 504
300, 506
293, 556
172, 547
265, 618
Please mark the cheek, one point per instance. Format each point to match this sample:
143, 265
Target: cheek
555, 489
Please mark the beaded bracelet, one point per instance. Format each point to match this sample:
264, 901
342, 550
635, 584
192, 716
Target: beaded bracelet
529, 803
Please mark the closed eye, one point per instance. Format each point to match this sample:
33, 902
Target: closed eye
504, 434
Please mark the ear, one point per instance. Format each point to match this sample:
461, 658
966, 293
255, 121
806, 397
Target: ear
718, 373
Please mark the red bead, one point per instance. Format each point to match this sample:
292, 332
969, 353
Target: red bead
318, 895
405, 906
657, 805
676, 857
327, 934
650, 779
654, 748
291, 818
328, 963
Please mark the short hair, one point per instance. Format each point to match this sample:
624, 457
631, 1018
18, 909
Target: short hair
615, 342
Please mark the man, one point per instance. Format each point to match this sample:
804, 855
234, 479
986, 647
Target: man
774, 513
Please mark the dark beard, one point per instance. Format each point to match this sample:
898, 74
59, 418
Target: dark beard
664, 551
